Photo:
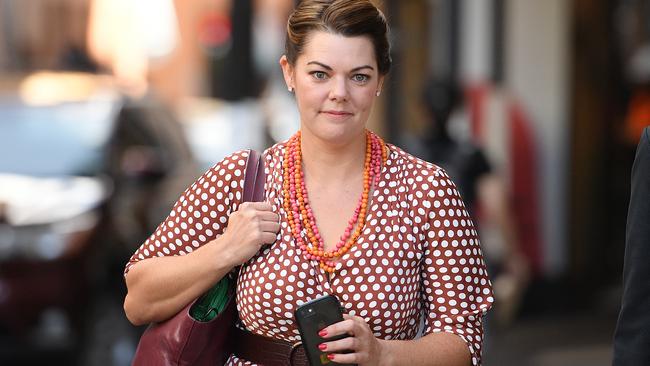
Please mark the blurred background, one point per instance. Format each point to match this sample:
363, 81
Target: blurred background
109, 108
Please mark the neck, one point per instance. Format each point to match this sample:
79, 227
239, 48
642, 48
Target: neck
327, 163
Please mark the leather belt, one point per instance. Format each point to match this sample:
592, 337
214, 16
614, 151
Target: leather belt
267, 351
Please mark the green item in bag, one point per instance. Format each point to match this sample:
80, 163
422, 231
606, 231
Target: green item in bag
210, 304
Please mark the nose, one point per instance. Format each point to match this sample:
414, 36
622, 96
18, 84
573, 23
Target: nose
339, 89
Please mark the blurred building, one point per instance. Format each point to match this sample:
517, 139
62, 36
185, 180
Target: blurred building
556, 91
558, 68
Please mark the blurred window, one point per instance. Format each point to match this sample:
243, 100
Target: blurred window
64, 139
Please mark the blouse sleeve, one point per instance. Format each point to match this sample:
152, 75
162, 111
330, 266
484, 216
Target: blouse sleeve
456, 292
200, 214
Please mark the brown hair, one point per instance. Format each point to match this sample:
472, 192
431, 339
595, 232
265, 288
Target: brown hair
345, 17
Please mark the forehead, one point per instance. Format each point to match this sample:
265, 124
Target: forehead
338, 51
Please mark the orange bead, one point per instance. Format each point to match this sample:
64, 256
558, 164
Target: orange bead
292, 167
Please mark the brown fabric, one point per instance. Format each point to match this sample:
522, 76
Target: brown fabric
267, 351
417, 258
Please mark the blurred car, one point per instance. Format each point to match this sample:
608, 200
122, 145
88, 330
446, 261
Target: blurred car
85, 174
52, 200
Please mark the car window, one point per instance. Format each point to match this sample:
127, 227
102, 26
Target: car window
64, 139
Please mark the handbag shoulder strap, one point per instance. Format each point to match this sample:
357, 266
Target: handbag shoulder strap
254, 178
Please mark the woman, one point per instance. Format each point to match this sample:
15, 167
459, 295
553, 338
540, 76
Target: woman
346, 214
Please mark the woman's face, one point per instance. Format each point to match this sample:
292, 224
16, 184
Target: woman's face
336, 80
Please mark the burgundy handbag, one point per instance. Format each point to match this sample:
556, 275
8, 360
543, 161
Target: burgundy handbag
181, 340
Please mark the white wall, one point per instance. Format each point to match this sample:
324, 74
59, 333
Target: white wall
537, 71
476, 40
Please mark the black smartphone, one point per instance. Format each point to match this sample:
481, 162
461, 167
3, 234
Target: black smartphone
311, 318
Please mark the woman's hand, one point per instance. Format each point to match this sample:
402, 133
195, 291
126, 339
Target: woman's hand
364, 347
254, 224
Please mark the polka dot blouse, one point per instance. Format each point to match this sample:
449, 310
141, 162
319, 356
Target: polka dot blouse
418, 254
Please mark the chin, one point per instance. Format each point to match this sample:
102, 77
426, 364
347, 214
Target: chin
337, 133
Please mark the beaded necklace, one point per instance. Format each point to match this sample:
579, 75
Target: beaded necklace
300, 214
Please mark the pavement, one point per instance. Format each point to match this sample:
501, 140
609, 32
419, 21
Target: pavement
564, 335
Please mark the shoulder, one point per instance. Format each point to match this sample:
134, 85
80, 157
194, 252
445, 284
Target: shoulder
234, 164
415, 175
231, 166
641, 165
645, 138
276, 151
273, 157
233, 161
401, 161
236, 161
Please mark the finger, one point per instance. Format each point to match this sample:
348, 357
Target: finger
351, 358
345, 344
270, 227
268, 238
360, 324
255, 207
268, 216
260, 206
342, 327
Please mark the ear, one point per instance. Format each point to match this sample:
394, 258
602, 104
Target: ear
380, 83
287, 71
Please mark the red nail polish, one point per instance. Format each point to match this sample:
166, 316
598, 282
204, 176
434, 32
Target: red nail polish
323, 333
330, 356
322, 346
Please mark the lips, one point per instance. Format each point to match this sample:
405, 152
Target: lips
337, 113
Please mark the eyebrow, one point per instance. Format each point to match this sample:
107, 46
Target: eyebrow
330, 68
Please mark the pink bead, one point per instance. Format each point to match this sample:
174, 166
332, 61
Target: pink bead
297, 186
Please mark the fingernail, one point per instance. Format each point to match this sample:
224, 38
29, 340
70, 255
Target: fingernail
322, 333
322, 346
330, 356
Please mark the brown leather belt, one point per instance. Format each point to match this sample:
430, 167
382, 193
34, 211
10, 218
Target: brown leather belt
267, 351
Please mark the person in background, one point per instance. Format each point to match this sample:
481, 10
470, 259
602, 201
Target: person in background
632, 336
347, 214
483, 191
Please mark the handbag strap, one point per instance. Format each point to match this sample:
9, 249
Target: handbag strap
254, 178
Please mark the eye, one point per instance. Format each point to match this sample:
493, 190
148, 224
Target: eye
360, 78
319, 75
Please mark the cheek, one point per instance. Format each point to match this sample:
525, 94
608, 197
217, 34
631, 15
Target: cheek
311, 98
365, 99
